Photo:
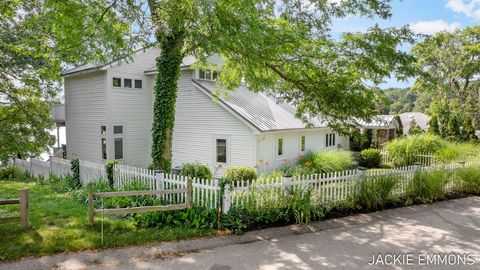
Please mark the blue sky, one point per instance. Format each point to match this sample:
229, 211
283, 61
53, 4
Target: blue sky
423, 16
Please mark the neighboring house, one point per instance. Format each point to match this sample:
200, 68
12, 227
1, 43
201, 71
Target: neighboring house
420, 118
384, 128
109, 116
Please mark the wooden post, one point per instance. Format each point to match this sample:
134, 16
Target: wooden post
189, 201
90, 203
24, 208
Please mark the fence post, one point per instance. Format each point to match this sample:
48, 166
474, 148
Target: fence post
287, 182
159, 176
50, 161
189, 193
24, 208
90, 203
416, 166
360, 176
226, 199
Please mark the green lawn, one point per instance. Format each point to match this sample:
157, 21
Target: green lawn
59, 224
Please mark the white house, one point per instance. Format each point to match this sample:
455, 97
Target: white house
109, 116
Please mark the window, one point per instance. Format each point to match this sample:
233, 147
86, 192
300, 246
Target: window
118, 148
127, 83
280, 147
104, 148
201, 74
103, 130
117, 82
138, 84
221, 145
302, 144
117, 129
208, 74
215, 75
329, 139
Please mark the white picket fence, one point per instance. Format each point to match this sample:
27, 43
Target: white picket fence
425, 159
91, 172
322, 189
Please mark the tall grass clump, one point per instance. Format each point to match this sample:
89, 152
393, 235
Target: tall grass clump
326, 161
426, 187
469, 180
403, 151
466, 151
373, 194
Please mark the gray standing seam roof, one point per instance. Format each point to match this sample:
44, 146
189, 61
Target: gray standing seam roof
260, 110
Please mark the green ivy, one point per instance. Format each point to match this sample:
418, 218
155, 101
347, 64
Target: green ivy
75, 167
166, 85
109, 165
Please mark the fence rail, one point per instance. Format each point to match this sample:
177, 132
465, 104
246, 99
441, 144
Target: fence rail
23, 202
187, 192
425, 159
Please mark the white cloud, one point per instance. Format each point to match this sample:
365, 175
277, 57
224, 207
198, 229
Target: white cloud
431, 27
471, 8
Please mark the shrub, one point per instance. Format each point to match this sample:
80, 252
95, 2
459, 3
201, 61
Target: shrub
196, 170
370, 158
469, 180
109, 165
195, 218
75, 168
426, 187
239, 173
15, 174
374, 193
403, 151
63, 184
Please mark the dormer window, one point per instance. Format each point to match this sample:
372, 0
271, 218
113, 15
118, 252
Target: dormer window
208, 74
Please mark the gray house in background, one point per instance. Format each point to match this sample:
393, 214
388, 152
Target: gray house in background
420, 118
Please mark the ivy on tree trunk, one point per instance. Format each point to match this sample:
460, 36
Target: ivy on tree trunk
166, 86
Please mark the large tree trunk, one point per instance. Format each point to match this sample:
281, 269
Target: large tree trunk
166, 86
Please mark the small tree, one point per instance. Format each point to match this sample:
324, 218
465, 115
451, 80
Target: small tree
453, 128
434, 128
414, 129
468, 131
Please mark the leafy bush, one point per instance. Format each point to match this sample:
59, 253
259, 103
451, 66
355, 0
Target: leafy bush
370, 158
426, 187
195, 218
239, 173
294, 207
63, 184
196, 170
15, 174
75, 168
109, 165
374, 193
328, 161
469, 180
403, 151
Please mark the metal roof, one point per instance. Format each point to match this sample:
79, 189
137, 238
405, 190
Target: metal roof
260, 110
420, 118
378, 121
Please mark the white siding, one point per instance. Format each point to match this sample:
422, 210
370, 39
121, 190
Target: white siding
132, 108
198, 119
314, 141
86, 111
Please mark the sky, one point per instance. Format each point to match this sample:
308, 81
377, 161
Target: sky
423, 16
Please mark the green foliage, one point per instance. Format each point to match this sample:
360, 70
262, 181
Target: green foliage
109, 165
426, 187
295, 207
399, 100
403, 151
468, 130
458, 151
14, 174
194, 218
327, 161
370, 158
469, 180
373, 194
414, 129
63, 184
434, 128
239, 173
75, 168
196, 170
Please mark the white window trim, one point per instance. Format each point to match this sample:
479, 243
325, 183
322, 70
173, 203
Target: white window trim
197, 74
122, 82
327, 142
277, 156
214, 147
122, 136
300, 143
